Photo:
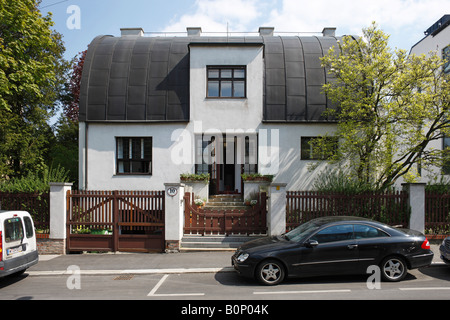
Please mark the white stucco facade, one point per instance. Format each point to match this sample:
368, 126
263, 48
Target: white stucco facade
174, 143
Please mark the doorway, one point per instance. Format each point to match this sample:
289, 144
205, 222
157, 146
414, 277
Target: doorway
225, 158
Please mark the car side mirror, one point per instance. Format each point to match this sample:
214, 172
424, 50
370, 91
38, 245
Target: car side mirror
311, 243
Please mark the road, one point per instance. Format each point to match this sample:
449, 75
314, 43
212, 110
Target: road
431, 283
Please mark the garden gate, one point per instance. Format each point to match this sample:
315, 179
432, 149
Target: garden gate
129, 221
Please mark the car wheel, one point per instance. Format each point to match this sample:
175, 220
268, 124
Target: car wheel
393, 269
270, 272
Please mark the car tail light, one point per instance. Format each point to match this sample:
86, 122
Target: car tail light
1, 246
426, 244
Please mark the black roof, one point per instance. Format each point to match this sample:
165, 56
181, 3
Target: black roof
146, 79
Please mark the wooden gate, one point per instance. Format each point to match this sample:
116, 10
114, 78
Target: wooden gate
225, 221
129, 221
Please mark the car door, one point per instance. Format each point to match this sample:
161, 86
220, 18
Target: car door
13, 237
335, 252
372, 245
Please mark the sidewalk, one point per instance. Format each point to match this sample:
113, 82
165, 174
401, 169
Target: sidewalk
136, 263
145, 263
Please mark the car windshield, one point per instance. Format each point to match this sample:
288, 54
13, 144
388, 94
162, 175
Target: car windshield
302, 231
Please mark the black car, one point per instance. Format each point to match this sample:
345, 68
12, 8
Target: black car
445, 250
333, 245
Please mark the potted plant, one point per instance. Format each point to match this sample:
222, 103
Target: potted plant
257, 177
199, 203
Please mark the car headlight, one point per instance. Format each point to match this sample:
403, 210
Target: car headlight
242, 257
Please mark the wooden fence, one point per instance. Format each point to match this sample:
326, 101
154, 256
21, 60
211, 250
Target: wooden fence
209, 221
37, 204
390, 207
437, 213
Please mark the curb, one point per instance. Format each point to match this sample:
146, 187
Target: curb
130, 271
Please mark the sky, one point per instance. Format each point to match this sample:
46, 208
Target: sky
80, 21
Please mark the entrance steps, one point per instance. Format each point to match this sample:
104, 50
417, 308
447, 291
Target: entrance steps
214, 242
226, 202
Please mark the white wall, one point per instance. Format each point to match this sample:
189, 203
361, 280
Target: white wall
223, 114
101, 156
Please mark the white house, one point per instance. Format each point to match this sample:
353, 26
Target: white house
152, 108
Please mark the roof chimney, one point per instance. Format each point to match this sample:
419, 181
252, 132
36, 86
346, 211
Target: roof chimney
194, 31
266, 31
329, 32
132, 32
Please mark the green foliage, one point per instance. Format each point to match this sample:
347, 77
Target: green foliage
32, 77
35, 181
338, 181
64, 151
204, 177
390, 107
256, 177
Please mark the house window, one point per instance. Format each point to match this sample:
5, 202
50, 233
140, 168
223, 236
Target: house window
446, 57
307, 151
446, 148
226, 82
134, 155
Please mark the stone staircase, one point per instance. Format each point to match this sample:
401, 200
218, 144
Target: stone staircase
218, 242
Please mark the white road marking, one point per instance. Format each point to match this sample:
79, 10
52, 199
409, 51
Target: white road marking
425, 288
155, 288
303, 291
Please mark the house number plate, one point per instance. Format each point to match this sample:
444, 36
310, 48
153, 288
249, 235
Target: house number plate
172, 191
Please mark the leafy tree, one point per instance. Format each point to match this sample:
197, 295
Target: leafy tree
71, 105
391, 106
64, 151
32, 75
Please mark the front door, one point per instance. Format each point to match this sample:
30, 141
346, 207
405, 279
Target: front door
225, 158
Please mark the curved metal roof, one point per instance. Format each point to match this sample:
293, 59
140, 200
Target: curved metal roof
146, 79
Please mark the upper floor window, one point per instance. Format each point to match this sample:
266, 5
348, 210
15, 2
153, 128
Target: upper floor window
226, 81
134, 155
446, 57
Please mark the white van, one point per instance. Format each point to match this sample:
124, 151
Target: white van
18, 250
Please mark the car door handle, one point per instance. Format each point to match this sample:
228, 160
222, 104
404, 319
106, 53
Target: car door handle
352, 246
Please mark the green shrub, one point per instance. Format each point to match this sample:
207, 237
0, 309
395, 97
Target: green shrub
35, 181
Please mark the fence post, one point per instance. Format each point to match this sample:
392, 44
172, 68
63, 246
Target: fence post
276, 219
416, 201
174, 216
58, 212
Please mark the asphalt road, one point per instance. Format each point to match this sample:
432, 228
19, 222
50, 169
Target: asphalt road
432, 283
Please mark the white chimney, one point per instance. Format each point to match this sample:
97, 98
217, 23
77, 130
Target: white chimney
132, 32
266, 31
194, 31
329, 32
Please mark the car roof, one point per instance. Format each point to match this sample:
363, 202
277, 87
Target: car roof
332, 219
13, 212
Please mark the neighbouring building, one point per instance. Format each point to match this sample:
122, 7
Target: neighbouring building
152, 108
437, 40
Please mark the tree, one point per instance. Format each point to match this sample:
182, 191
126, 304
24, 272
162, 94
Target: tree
32, 75
391, 106
71, 105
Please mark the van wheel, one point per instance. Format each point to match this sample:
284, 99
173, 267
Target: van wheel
270, 272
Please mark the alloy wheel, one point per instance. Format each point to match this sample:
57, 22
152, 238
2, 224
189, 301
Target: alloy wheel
393, 269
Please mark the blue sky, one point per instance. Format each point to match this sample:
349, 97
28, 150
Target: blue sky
404, 20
